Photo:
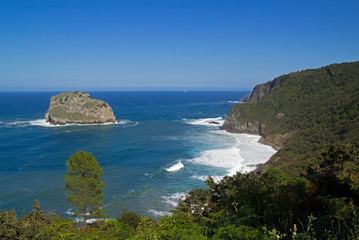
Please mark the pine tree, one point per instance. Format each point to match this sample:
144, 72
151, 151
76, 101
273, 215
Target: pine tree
83, 185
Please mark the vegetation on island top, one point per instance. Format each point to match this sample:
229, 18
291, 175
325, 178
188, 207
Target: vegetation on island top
302, 112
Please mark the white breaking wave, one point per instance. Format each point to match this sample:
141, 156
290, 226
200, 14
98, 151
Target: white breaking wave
224, 158
158, 213
43, 123
229, 159
133, 125
173, 199
204, 178
175, 167
69, 212
16, 123
234, 102
252, 151
91, 220
244, 155
126, 123
216, 122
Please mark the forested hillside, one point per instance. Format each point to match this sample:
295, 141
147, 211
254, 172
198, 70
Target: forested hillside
300, 113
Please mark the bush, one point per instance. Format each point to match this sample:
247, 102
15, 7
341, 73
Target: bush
130, 218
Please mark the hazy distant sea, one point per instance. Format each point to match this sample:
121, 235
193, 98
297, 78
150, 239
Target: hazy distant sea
163, 147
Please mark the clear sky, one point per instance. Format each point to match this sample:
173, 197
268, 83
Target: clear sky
169, 44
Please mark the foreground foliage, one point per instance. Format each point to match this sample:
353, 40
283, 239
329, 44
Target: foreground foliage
83, 185
321, 205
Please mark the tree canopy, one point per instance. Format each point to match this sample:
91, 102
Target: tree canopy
83, 184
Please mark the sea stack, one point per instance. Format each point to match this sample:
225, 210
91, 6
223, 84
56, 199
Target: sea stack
78, 107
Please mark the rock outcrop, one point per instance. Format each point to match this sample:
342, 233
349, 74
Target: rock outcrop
253, 125
78, 107
261, 90
231, 124
245, 98
300, 112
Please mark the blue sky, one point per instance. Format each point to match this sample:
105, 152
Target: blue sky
172, 44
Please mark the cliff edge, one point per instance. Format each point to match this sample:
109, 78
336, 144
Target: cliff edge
299, 113
78, 107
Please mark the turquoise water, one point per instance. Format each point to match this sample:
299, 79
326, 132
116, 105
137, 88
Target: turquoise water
163, 147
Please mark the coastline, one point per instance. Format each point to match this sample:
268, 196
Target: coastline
243, 152
258, 167
263, 147
135, 159
269, 143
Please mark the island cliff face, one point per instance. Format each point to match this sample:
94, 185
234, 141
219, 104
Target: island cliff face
299, 113
78, 107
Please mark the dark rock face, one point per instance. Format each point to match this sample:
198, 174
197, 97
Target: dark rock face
261, 90
231, 124
245, 98
78, 107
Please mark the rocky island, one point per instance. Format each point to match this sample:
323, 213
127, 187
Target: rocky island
78, 107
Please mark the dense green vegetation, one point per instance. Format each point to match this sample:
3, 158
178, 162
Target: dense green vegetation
83, 185
58, 112
305, 111
321, 205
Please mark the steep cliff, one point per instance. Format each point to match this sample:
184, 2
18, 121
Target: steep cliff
298, 113
78, 107
263, 89
245, 98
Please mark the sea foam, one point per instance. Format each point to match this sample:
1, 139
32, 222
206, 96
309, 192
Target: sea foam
175, 167
42, 123
243, 156
204, 178
229, 159
173, 199
70, 212
215, 122
158, 213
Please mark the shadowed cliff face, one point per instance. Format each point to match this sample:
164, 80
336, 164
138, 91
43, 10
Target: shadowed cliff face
299, 112
78, 107
231, 124
261, 90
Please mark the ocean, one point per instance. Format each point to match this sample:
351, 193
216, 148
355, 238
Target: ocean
166, 144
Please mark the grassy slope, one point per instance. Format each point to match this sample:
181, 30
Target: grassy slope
320, 106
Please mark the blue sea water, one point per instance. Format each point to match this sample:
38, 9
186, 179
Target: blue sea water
163, 147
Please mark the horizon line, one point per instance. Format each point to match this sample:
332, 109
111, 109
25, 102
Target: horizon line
133, 90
